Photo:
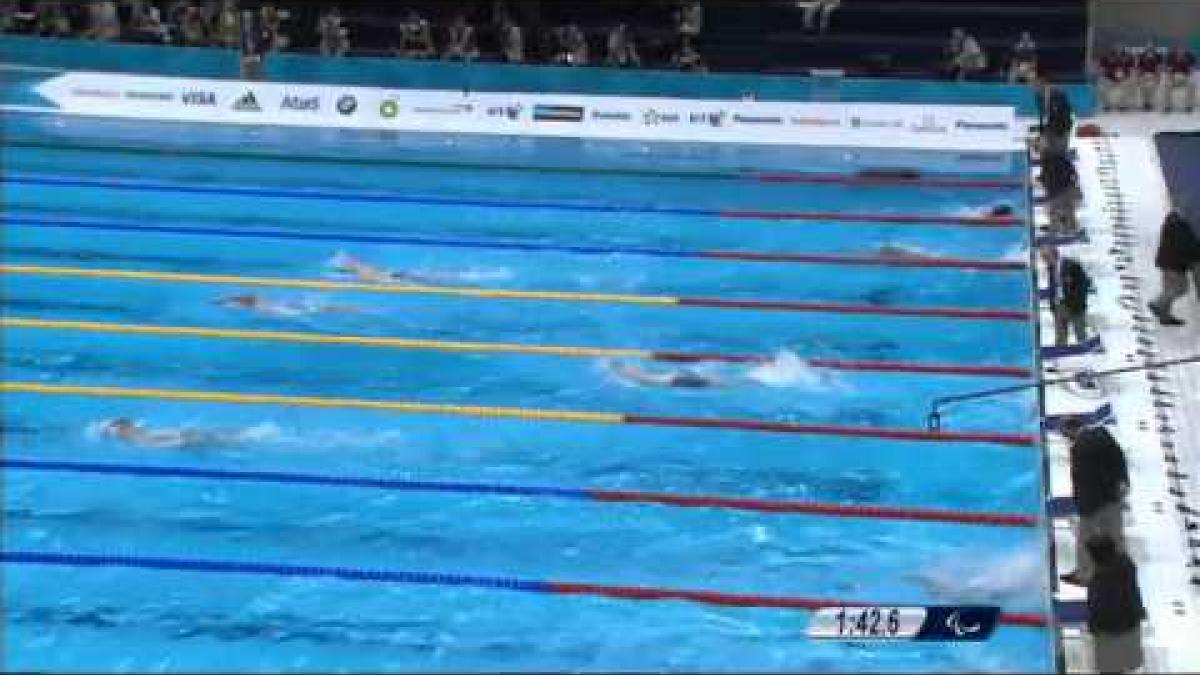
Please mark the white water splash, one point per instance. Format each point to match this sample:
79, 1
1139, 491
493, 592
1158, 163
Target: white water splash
263, 432
789, 370
471, 275
975, 578
1017, 253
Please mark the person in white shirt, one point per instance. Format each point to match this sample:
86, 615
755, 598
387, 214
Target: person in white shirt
621, 50
971, 59
817, 13
512, 41
687, 58
1023, 66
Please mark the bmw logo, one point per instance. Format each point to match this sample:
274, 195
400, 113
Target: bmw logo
389, 109
347, 104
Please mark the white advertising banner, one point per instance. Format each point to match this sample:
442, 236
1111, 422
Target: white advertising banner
960, 128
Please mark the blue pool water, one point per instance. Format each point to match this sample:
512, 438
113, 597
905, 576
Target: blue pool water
236, 203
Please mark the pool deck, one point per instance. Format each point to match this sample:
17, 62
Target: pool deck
1156, 413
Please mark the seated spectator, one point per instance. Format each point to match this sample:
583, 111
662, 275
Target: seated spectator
51, 19
687, 58
272, 22
1116, 71
145, 23
1061, 182
193, 31
621, 50
254, 41
227, 29
571, 47
689, 19
557, 42
512, 41
1114, 608
970, 60
8, 15
1149, 68
461, 40
335, 38
817, 13
103, 23
1023, 65
1180, 64
416, 37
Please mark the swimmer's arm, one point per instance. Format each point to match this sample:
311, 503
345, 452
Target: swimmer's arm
640, 376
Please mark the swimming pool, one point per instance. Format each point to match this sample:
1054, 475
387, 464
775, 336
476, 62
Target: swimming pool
458, 431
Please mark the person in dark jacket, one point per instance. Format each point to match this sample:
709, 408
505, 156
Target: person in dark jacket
1115, 609
1068, 284
1058, 119
1178, 251
1061, 182
1100, 480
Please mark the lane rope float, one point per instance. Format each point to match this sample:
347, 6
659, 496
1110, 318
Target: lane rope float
501, 347
965, 313
179, 564
641, 497
380, 196
531, 414
781, 257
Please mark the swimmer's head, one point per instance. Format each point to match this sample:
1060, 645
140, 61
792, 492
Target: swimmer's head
119, 426
1002, 210
245, 300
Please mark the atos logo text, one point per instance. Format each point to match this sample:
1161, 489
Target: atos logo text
303, 103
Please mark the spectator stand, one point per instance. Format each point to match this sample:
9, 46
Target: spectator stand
435, 74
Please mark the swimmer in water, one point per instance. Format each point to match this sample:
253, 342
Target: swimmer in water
257, 303
348, 264
681, 379
126, 430
893, 252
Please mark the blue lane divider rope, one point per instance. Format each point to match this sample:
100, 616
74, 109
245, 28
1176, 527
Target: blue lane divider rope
371, 196
106, 224
273, 569
643, 593
498, 244
640, 497
290, 477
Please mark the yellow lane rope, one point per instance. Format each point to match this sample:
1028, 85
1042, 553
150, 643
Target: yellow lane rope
277, 282
318, 338
313, 402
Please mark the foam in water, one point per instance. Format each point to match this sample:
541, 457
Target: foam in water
999, 579
1018, 252
345, 264
789, 370
190, 436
